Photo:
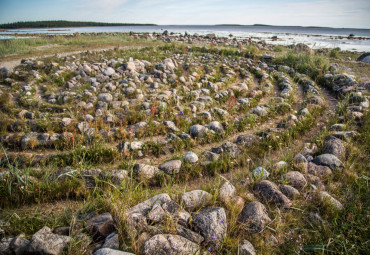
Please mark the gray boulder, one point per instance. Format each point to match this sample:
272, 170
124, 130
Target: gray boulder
191, 157
296, 179
254, 217
166, 244
330, 161
268, 191
289, 191
335, 146
260, 173
216, 126
45, 242
247, 140
19, 244
105, 97
211, 224
198, 131
231, 149
226, 192
171, 167
195, 199
145, 172
109, 71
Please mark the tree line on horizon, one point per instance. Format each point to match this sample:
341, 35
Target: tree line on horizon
63, 23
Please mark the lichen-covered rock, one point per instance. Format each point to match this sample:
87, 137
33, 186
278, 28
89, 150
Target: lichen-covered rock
335, 146
260, 173
296, 179
268, 191
198, 131
146, 172
211, 224
254, 217
289, 191
171, 167
327, 198
45, 242
109, 251
191, 157
166, 244
330, 161
226, 192
246, 248
195, 199
247, 140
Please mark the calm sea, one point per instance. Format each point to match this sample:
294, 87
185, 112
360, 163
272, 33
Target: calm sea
313, 36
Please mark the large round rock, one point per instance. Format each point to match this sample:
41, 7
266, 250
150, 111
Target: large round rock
254, 217
330, 161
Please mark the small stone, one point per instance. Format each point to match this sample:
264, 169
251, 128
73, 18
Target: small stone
146, 172
326, 197
260, 173
226, 192
246, 248
190, 157
330, 161
100, 226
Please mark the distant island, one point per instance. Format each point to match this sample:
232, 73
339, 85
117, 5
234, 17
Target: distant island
63, 23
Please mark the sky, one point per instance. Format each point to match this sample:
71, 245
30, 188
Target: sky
330, 13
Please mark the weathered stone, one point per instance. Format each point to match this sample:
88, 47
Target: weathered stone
296, 179
334, 146
146, 172
165, 244
246, 248
216, 126
157, 214
327, 198
270, 193
231, 149
212, 225
190, 157
195, 199
171, 167
322, 171
198, 131
330, 161
289, 191
188, 234
226, 192
19, 244
45, 242
100, 226
111, 241
145, 207
247, 140
260, 173
254, 217
108, 251
105, 97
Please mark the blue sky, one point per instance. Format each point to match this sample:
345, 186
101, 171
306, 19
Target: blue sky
334, 13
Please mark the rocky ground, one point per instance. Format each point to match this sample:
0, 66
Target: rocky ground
182, 149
